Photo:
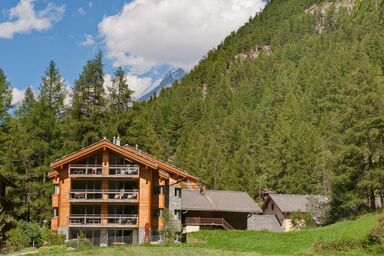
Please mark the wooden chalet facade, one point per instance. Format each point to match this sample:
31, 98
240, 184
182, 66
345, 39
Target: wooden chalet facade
114, 194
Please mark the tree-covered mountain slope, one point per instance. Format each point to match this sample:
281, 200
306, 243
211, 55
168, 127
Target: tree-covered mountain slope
292, 101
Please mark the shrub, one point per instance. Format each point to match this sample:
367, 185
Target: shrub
52, 237
301, 220
169, 230
376, 236
78, 243
338, 245
52, 249
33, 231
17, 238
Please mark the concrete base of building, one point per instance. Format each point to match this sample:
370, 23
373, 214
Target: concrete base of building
190, 229
103, 237
141, 235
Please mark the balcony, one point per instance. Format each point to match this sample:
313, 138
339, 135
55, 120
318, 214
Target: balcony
103, 220
114, 171
89, 196
124, 171
85, 170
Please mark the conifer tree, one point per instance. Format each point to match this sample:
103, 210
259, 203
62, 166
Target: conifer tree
5, 96
88, 104
120, 92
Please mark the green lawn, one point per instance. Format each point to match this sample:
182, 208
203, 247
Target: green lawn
244, 243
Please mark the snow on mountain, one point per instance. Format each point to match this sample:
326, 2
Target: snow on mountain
165, 81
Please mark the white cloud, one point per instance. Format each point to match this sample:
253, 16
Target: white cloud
17, 96
149, 33
23, 18
135, 83
81, 11
88, 40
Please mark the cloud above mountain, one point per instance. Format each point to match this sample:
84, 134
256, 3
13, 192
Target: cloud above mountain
150, 33
23, 18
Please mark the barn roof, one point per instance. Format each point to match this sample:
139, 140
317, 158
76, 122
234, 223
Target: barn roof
218, 200
295, 203
264, 223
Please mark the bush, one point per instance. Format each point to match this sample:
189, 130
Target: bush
337, 245
376, 236
33, 231
301, 220
52, 237
52, 249
78, 243
17, 239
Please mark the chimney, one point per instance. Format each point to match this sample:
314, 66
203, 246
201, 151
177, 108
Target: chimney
114, 140
137, 146
118, 141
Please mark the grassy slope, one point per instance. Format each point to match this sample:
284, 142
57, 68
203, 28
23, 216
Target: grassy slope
245, 243
293, 243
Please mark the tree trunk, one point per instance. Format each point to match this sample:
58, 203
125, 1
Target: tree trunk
372, 200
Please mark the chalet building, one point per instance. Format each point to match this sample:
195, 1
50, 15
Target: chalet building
5, 203
114, 194
214, 209
283, 205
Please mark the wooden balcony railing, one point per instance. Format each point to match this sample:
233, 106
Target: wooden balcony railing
86, 170
126, 220
198, 221
83, 195
124, 170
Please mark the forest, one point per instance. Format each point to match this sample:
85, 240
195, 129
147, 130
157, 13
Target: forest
292, 102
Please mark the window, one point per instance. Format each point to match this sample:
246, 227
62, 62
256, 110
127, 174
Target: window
55, 212
158, 213
57, 189
158, 190
272, 206
177, 215
178, 192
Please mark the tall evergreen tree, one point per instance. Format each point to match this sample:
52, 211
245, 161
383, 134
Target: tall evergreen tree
5, 96
88, 104
120, 92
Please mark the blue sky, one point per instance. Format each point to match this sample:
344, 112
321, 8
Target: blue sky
146, 37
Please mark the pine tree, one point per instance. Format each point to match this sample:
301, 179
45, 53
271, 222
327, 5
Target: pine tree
88, 105
5, 96
120, 92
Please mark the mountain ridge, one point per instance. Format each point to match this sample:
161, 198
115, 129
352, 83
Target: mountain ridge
166, 81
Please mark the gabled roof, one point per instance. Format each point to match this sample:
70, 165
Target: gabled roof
125, 151
264, 223
218, 200
294, 203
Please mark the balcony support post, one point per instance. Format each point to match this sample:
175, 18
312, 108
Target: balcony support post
106, 162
